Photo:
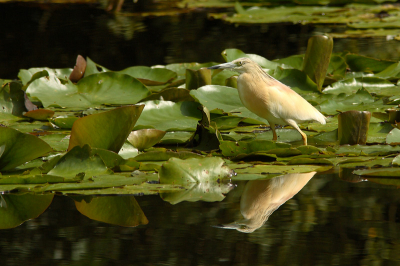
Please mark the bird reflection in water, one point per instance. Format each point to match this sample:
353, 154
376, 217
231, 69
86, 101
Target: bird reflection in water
261, 198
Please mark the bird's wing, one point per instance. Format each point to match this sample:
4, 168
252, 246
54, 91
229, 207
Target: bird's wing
287, 104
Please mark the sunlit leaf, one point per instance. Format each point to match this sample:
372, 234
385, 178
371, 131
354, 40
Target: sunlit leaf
183, 172
169, 116
19, 148
107, 130
145, 138
93, 90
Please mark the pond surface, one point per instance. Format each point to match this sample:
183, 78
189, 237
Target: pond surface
329, 222
53, 36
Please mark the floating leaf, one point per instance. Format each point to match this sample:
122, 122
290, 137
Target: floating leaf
183, 172
93, 90
39, 114
232, 149
19, 148
359, 63
169, 116
107, 130
80, 160
150, 76
393, 137
197, 78
394, 172
145, 138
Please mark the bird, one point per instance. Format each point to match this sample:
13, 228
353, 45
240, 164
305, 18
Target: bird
260, 198
269, 98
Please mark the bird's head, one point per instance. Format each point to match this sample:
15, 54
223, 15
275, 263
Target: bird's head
240, 65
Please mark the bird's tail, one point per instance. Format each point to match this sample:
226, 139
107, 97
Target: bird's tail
321, 118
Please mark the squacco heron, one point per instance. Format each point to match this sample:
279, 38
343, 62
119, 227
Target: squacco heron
270, 99
261, 198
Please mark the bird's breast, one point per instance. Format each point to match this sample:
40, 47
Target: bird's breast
253, 95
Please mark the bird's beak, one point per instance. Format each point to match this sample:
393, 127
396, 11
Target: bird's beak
227, 226
223, 66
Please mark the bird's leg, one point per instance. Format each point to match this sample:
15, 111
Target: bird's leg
303, 135
275, 137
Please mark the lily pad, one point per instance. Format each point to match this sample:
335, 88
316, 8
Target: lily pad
150, 76
93, 90
169, 116
393, 172
80, 160
107, 130
145, 138
183, 172
40, 114
18, 148
232, 149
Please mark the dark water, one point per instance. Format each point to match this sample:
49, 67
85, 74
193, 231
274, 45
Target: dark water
329, 222
53, 35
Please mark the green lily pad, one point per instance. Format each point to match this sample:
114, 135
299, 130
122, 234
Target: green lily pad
12, 100
368, 162
371, 84
267, 171
176, 137
29, 75
183, 172
40, 114
18, 148
378, 132
80, 160
169, 116
122, 211
165, 155
145, 138
359, 63
93, 90
392, 172
180, 68
65, 122
393, 137
16, 209
150, 76
107, 130
58, 142
232, 149
171, 94
360, 150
